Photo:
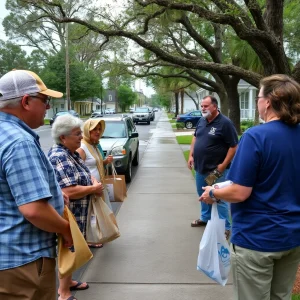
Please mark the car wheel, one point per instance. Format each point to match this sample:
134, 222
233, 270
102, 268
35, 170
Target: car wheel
136, 159
188, 125
128, 172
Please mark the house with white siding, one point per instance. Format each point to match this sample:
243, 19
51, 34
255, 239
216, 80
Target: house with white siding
247, 94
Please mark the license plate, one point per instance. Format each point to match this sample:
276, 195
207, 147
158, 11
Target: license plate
141, 119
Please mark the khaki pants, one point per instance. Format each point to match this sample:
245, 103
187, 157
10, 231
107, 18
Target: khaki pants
263, 275
33, 281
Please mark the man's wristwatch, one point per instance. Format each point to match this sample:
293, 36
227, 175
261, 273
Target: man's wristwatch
212, 196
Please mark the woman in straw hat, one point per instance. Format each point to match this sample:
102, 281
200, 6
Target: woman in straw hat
89, 151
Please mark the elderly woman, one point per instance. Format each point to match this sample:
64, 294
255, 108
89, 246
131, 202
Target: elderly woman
265, 196
74, 179
92, 131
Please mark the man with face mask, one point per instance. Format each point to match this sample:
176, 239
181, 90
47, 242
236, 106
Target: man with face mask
213, 147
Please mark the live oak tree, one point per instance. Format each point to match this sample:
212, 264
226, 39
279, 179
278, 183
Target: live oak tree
260, 24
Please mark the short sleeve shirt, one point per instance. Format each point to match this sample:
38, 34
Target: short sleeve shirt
213, 139
268, 160
25, 176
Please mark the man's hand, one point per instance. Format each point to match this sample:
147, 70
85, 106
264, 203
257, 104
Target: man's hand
205, 196
191, 162
221, 168
67, 237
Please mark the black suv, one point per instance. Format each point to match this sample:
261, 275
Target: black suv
121, 140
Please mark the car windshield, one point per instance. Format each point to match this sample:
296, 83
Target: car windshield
62, 113
142, 110
114, 130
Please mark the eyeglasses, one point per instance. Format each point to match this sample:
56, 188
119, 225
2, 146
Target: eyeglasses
77, 134
257, 97
46, 101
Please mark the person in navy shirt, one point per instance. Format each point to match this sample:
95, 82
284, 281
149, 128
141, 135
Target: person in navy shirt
265, 196
213, 147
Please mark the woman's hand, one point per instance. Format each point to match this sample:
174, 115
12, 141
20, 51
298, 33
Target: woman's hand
205, 196
66, 199
109, 159
98, 188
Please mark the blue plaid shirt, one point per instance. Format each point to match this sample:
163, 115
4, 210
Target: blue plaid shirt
26, 176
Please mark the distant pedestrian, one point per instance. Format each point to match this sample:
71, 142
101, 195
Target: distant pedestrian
265, 196
212, 149
31, 201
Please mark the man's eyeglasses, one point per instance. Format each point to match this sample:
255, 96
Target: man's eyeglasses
46, 101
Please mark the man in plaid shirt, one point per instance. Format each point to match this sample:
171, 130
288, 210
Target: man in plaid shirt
31, 201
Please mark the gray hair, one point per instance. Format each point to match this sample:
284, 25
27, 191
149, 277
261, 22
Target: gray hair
10, 103
14, 102
63, 125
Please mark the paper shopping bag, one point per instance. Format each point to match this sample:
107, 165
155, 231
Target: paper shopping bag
69, 261
214, 253
116, 187
101, 223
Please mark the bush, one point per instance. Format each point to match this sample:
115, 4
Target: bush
248, 123
245, 124
180, 125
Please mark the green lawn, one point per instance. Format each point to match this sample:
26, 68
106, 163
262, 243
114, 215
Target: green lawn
184, 139
296, 297
186, 156
46, 121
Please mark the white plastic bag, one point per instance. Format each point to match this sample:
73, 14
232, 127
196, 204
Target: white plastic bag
214, 253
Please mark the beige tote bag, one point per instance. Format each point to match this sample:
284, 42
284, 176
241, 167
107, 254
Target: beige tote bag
69, 261
101, 223
115, 186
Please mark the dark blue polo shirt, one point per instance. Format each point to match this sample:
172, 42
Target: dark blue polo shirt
213, 139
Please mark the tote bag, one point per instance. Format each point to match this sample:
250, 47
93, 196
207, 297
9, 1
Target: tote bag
101, 223
115, 186
214, 253
69, 261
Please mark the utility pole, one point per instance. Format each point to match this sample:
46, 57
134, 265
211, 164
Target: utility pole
68, 100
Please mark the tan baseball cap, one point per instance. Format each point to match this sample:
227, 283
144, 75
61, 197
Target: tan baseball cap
18, 83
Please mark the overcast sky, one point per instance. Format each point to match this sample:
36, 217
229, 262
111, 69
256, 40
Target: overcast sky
3, 13
139, 84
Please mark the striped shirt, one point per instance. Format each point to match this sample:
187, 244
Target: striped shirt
26, 176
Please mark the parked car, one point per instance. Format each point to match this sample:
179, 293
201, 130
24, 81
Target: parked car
60, 113
131, 110
109, 111
152, 113
97, 114
190, 119
155, 109
141, 114
121, 140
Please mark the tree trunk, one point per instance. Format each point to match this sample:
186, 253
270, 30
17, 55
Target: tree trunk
182, 100
234, 102
224, 102
176, 103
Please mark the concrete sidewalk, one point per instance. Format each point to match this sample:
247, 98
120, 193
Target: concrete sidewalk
156, 255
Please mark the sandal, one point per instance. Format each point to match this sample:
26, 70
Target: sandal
198, 223
77, 287
95, 245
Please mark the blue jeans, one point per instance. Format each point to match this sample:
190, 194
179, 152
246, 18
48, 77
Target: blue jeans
205, 209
